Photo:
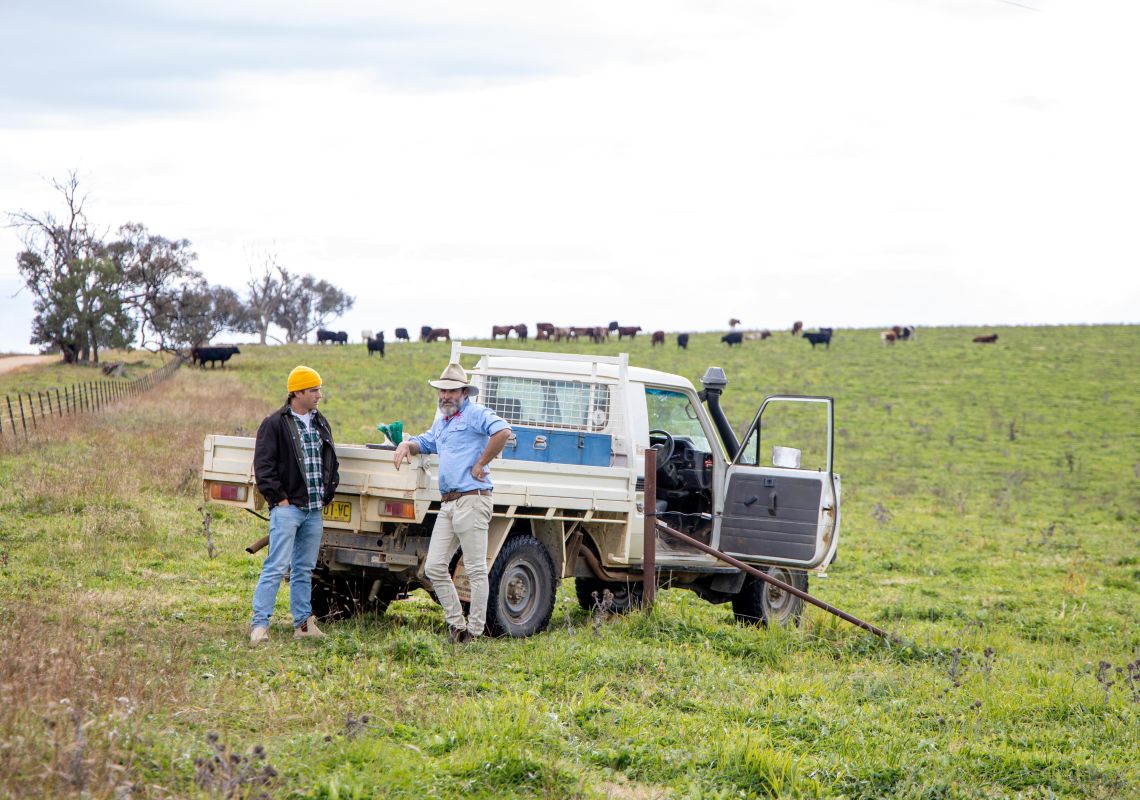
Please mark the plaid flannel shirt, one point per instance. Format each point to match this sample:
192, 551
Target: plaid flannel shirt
311, 449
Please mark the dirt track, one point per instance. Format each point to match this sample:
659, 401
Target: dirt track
9, 363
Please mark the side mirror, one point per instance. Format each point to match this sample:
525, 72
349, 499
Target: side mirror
788, 457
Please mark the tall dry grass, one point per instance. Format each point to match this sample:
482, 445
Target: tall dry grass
86, 673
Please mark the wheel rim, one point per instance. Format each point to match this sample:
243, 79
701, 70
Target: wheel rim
778, 604
519, 593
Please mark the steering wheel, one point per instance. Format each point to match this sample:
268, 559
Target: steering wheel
664, 449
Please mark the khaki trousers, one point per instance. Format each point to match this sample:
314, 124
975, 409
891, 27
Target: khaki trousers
461, 523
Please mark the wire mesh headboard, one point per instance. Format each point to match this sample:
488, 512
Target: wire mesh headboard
550, 402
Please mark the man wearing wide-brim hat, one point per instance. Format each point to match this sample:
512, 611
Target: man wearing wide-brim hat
467, 436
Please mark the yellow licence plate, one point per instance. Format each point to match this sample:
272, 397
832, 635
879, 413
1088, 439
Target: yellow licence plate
338, 511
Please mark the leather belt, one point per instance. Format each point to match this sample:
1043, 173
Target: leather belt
449, 496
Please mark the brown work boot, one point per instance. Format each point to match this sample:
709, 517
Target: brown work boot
259, 635
458, 635
308, 629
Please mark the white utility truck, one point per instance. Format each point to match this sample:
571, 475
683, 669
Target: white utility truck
568, 500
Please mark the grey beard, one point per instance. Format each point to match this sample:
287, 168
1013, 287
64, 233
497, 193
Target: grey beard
448, 409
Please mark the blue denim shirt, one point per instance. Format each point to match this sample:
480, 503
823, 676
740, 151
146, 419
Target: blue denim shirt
459, 443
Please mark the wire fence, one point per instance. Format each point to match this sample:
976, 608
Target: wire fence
23, 413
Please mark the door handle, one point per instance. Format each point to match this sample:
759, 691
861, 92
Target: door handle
539, 443
772, 504
751, 500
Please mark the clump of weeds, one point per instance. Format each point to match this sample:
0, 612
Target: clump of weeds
231, 774
1126, 677
603, 606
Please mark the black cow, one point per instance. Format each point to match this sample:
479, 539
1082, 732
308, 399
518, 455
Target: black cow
521, 331
376, 344
613, 326
683, 341
325, 336
200, 355
402, 335
342, 337
736, 337
425, 332
823, 337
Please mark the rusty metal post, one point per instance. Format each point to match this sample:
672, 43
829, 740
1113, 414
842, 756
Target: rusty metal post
649, 545
32, 412
40, 397
764, 576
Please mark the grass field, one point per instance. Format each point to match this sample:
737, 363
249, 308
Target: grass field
991, 520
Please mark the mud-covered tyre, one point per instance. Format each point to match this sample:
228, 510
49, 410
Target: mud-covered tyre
626, 595
342, 597
761, 603
521, 589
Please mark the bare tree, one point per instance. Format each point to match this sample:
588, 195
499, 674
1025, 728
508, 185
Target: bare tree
266, 289
307, 304
156, 274
75, 283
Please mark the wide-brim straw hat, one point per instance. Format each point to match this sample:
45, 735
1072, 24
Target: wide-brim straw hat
454, 377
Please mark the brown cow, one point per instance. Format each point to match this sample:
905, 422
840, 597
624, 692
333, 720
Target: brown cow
658, 338
561, 333
797, 326
546, 327
888, 337
542, 336
501, 330
758, 336
628, 330
578, 333
435, 334
988, 339
732, 323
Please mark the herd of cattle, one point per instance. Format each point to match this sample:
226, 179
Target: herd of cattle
545, 331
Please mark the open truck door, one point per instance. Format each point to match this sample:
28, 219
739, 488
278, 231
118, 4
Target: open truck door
781, 503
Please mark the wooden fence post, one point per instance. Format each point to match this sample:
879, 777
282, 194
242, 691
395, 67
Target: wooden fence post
32, 412
23, 421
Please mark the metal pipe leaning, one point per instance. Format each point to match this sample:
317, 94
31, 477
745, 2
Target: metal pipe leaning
764, 576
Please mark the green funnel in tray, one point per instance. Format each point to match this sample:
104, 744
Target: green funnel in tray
394, 431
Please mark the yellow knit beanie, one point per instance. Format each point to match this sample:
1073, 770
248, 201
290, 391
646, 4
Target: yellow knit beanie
303, 378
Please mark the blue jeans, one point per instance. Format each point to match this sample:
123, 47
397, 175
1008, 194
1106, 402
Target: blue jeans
294, 540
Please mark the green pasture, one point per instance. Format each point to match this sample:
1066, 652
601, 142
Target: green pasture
990, 519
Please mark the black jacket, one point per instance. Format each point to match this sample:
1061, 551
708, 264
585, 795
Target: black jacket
279, 462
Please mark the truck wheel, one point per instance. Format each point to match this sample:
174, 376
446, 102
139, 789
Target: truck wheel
627, 595
522, 588
759, 602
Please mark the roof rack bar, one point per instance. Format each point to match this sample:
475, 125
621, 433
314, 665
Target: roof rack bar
457, 350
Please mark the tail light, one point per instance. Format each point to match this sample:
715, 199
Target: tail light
229, 491
399, 508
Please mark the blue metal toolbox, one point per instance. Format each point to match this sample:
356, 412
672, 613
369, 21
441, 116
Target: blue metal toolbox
559, 447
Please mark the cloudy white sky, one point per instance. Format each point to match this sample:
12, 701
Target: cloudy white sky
665, 163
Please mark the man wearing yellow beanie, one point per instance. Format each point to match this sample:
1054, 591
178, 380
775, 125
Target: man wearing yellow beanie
296, 467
